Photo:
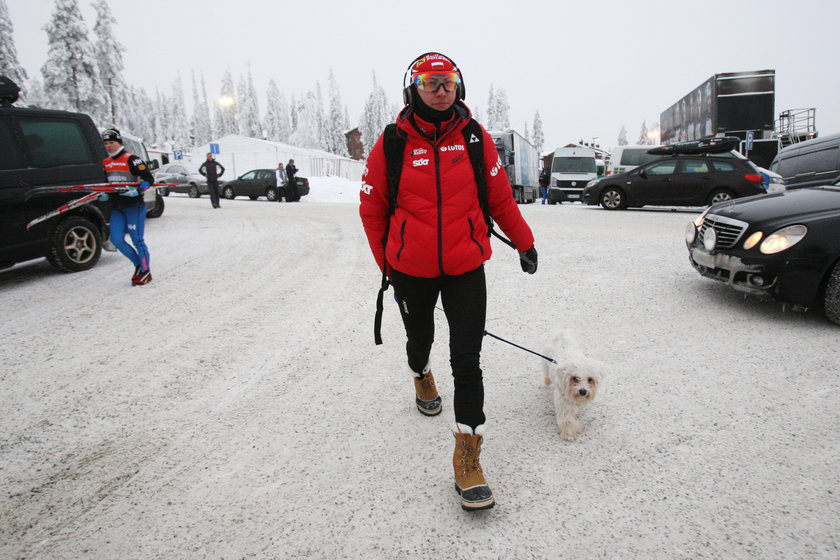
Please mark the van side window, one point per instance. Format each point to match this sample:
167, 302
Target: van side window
819, 161
10, 157
54, 142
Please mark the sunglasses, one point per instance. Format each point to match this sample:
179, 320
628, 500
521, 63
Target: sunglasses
433, 81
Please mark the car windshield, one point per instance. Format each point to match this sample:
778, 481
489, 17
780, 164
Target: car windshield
573, 165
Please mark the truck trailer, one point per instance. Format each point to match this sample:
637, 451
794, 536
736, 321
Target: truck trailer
730, 104
521, 162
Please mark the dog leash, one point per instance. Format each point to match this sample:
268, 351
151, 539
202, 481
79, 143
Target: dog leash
552, 360
488, 333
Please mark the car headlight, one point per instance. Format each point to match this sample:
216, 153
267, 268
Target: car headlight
783, 239
710, 239
752, 240
592, 182
690, 232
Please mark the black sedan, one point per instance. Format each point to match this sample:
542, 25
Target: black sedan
262, 182
678, 180
785, 246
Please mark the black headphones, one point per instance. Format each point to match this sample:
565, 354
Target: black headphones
407, 86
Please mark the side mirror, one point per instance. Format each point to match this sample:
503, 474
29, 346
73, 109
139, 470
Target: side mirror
643, 174
153, 165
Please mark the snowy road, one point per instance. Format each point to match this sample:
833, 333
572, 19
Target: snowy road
237, 407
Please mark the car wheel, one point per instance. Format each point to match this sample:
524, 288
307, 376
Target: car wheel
832, 296
194, 192
164, 191
75, 245
229, 193
613, 199
720, 195
271, 194
157, 211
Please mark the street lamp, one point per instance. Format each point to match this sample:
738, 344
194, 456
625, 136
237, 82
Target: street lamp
226, 101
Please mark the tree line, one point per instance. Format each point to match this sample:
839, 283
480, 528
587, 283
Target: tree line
88, 76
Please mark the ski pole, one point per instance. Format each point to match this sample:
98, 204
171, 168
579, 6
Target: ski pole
64, 208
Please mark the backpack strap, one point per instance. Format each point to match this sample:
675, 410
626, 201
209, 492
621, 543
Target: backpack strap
473, 137
393, 143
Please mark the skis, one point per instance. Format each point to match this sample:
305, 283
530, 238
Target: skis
95, 189
64, 208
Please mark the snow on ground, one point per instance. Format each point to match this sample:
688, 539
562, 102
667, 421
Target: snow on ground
237, 407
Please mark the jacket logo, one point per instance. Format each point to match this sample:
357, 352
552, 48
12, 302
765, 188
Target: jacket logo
419, 162
418, 152
453, 148
366, 188
473, 139
495, 170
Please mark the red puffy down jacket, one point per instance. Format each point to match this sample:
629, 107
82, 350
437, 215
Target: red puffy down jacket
438, 227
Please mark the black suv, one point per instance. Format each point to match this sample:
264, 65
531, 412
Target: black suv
40, 149
681, 179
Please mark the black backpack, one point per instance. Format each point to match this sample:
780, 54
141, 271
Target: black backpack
393, 143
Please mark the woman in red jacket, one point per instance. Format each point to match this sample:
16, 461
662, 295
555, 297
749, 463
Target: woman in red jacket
437, 242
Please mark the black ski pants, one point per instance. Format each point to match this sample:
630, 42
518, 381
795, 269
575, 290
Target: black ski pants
213, 187
464, 300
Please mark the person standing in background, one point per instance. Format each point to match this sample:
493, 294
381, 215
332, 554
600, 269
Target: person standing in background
212, 169
281, 180
291, 187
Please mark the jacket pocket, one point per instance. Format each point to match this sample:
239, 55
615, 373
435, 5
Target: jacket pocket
402, 239
472, 236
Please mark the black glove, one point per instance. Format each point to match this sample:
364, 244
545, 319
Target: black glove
528, 260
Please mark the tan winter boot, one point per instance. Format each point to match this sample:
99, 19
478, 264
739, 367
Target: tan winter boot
427, 399
469, 478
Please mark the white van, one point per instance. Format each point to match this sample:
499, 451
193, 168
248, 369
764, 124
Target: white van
626, 158
571, 169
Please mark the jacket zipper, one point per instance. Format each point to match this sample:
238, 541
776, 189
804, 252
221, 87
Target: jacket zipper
439, 208
402, 239
472, 237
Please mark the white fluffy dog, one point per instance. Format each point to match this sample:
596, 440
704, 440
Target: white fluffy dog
575, 379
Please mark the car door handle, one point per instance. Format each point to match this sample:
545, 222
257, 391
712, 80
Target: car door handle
808, 174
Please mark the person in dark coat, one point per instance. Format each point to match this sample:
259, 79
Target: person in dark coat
212, 169
291, 187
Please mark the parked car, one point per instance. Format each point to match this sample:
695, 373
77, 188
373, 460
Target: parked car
189, 180
678, 180
784, 246
811, 163
261, 182
41, 149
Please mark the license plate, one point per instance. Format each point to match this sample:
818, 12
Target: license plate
703, 258
572, 196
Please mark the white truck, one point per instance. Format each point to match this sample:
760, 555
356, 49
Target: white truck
521, 162
571, 169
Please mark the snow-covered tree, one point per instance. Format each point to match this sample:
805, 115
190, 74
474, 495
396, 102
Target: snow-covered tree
502, 110
622, 136
293, 115
109, 60
539, 136
375, 116
226, 108
308, 133
202, 128
179, 128
71, 78
643, 135
492, 114
654, 133
247, 109
9, 64
140, 115
334, 140
526, 134
273, 122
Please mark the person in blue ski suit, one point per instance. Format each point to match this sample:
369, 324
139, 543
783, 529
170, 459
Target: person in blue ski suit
128, 214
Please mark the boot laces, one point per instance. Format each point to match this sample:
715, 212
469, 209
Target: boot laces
469, 458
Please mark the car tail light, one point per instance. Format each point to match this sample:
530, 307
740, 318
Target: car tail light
753, 178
